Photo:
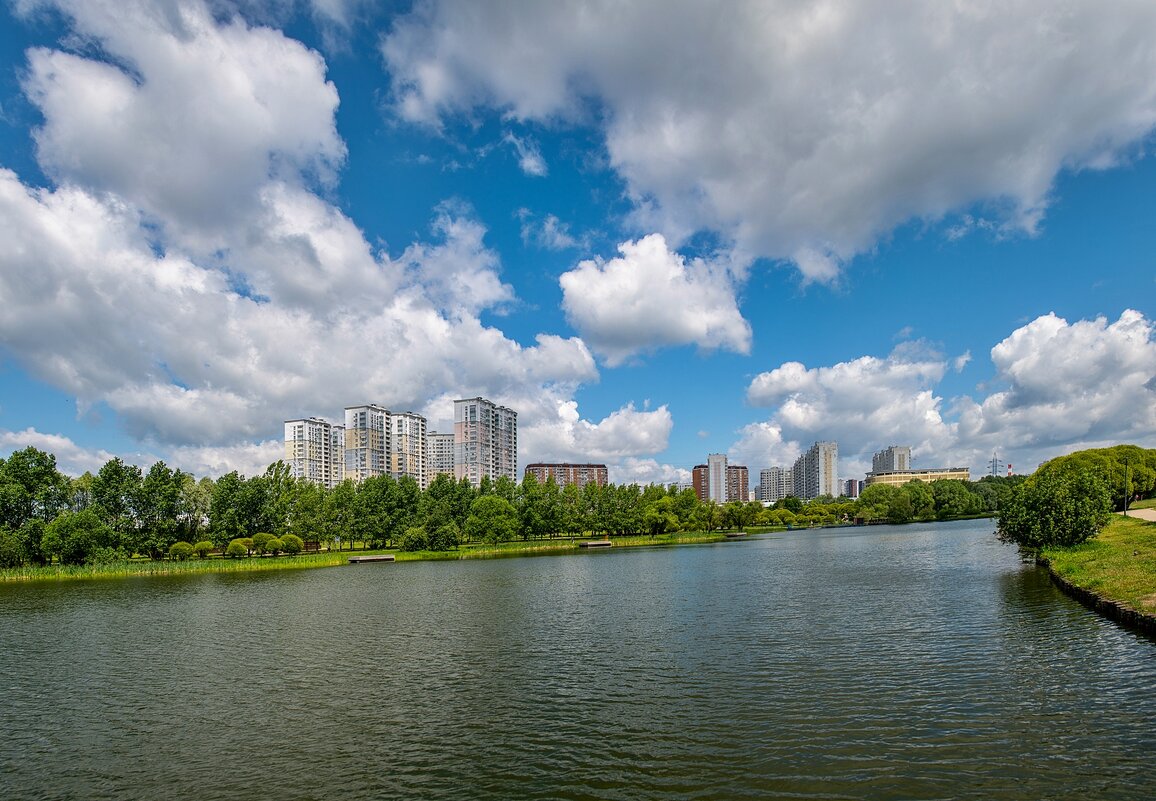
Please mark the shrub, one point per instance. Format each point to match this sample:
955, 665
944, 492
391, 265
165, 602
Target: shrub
292, 544
261, 542
203, 548
237, 548
11, 549
180, 551
444, 538
414, 539
274, 545
1054, 508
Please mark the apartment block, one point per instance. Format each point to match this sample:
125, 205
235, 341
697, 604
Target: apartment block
578, 474
439, 455
895, 457
407, 447
485, 440
315, 450
775, 483
816, 472
367, 441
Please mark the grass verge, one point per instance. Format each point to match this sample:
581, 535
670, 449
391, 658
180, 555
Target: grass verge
332, 558
1118, 565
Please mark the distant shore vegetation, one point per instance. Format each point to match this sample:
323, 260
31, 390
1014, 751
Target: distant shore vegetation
121, 514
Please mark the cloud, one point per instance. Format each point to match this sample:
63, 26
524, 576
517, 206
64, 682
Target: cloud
191, 119
71, 459
530, 159
549, 233
649, 297
205, 304
1066, 386
803, 132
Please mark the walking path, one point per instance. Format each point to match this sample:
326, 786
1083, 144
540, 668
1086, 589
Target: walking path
1143, 514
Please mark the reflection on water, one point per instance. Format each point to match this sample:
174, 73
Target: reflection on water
905, 662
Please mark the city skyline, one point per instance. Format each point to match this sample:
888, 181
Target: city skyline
215, 216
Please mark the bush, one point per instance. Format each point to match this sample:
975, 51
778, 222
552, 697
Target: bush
292, 544
414, 539
203, 548
274, 545
237, 548
106, 556
180, 551
261, 542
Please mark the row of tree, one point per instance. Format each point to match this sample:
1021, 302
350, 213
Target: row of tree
121, 511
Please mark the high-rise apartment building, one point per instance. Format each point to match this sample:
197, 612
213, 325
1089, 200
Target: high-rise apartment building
738, 480
775, 484
315, 450
407, 446
439, 455
896, 457
816, 472
578, 474
485, 440
367, 446
716, 479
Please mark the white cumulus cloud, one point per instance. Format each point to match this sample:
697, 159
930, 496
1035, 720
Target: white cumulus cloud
803, 131
649, 297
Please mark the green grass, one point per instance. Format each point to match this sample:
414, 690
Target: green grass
215, 564
1149, 503
1119, 564
144, 567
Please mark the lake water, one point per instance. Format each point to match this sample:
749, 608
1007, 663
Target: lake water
911, 662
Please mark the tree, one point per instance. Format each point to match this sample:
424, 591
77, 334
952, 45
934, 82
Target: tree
1055, 508
31, 488
237, 549
202, 549
492, 519
76, 537
116, 490
261, 542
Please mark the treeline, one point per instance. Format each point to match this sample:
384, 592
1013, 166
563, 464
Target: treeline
1070, 499
121, 512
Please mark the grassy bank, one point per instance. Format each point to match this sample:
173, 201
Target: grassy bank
1118, 565
331, 558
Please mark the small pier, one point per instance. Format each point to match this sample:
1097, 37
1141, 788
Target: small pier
375, 557
595, 544
734, 535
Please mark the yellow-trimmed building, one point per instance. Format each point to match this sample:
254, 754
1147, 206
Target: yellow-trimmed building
898, 478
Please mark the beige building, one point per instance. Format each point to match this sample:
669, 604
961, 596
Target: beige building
485, 441
315, 450
898, 478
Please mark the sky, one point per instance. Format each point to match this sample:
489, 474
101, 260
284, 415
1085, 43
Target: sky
655, 229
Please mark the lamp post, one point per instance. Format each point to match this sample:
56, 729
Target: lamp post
1126, 493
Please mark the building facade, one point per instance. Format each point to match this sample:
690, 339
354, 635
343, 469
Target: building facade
698, 481
816, 472
439, 451
577, 474
775, 484
852, 487
367, 446
900, 477
485, 441
315, 450
738, 480
407, 447
895, 457
716, 477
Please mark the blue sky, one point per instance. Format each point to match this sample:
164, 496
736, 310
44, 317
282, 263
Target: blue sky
658, 230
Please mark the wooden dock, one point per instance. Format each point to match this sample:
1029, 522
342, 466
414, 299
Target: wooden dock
595, 544
734, 535
376, 557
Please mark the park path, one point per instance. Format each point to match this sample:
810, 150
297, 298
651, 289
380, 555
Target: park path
1143, 514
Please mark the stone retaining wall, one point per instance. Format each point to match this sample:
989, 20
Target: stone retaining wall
1114, 610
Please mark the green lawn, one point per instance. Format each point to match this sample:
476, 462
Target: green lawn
1119, 564
1150, 503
